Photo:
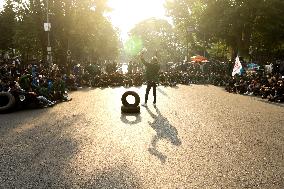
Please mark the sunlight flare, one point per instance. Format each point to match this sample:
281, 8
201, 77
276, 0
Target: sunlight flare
127, 13
133, 46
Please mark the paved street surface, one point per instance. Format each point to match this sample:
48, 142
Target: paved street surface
198, 137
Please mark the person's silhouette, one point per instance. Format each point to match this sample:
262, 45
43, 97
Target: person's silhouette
165, 131
152, 77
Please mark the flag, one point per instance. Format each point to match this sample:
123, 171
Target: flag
238, 67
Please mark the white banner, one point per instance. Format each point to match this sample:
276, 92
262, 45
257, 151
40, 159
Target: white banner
47, 26
238, 67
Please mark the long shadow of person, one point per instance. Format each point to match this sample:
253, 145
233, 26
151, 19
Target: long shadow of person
162, 92
165, 131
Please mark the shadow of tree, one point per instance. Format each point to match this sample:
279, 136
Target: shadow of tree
119, 177
35, 150
8, 121
258, 98
165, 131
269, 102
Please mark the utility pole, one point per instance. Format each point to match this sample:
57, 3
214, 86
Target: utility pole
189, 31
187, 46
47, 29
204, 45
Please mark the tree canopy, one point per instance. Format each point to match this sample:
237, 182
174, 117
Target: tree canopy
247, 27
78, 26
157, 36
220, 29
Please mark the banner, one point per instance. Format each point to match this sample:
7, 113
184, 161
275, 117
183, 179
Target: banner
47, 26
238, 67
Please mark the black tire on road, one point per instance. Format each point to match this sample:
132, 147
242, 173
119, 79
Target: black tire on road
132, 93
7, 102
130, 110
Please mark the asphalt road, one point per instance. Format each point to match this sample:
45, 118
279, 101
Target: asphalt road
198, 137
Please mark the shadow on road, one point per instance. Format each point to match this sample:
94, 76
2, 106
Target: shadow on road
258, 98
162, 92
8, 121
117, 177
128, 119
35, 148
268, 102
165, 131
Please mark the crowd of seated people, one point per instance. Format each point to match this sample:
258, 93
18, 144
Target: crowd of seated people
179, 74
48, 85
44, 80
215, 73
269, 86
40, 85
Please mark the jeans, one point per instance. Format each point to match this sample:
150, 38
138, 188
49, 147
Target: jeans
151, 84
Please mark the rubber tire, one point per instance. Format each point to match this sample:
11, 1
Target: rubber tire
11, 103
130, 110
132, 93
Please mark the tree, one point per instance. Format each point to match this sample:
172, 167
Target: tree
29, 38
81, 27
243, 25
7, 26
157, 35
77, 25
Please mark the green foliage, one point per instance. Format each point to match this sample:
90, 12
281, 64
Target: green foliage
246, 26
7, 26
133, 45
77, 25
251, 28
219, 50
158, 38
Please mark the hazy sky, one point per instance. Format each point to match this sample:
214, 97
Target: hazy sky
127, 13
1, 3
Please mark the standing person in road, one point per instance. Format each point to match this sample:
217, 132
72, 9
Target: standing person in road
152, 76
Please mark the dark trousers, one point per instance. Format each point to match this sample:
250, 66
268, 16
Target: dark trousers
150, 84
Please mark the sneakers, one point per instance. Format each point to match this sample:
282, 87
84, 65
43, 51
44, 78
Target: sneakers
50, 104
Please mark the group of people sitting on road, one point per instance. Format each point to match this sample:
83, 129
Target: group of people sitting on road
269, 86
95, 76
45, 86
171, 75
33, 85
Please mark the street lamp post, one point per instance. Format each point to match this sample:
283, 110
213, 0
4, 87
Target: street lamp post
47, 29
187, 46
189, 31
204, 45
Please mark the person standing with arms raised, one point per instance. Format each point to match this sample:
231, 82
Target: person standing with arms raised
152, 76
